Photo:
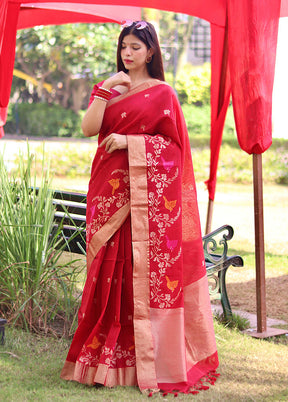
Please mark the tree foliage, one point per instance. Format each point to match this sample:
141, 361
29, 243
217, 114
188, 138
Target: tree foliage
70, 57
73, 57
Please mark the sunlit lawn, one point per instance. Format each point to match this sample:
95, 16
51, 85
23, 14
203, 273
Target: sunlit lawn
251, 370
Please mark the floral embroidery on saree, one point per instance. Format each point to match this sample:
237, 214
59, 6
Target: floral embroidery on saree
103, 205
162, 172
112, 357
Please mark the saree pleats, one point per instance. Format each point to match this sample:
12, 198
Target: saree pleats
102, 349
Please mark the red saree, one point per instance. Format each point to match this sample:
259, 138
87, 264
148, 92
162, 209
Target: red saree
145, 317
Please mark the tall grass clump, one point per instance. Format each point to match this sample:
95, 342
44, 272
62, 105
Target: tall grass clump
36, 289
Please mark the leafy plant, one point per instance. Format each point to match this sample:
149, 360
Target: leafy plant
193, 84
43, 120
236, 321
35, 287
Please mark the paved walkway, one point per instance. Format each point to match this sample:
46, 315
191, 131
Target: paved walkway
251, 317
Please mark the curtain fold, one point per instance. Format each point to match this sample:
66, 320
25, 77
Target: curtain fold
252, 41
8, 22
220, 95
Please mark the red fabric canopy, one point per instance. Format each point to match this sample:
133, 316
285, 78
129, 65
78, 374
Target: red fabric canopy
56, 13
244, 37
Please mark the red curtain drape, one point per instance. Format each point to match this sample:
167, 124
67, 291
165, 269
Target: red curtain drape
252, 42
3, 15
220, 95
7, 54
245, 51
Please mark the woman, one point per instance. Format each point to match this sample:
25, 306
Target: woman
145, 317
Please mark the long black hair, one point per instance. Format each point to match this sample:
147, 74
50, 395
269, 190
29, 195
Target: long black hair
148, 36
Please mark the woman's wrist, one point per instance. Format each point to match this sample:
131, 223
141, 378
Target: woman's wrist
107, 85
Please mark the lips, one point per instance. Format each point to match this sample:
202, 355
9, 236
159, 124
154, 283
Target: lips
128, 61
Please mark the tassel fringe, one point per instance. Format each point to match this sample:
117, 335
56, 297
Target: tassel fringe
210, 378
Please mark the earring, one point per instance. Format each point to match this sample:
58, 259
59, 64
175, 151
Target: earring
148, 59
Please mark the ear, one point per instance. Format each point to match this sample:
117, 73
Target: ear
150, 52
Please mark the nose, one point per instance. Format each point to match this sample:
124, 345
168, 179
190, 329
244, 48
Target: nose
127, 50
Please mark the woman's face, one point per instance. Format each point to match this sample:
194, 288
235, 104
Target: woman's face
134, 53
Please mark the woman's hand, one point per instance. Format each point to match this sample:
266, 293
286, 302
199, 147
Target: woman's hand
114, 142
120, 78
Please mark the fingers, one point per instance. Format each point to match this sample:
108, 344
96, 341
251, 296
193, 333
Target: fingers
119, 78
108, 142
104, 141
114, 142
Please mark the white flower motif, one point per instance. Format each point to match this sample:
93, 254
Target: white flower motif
167, 112
124, 114
146, 95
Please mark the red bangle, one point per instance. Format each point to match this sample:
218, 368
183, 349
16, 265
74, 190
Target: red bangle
103, 93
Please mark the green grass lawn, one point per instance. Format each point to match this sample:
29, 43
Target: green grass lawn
251, 370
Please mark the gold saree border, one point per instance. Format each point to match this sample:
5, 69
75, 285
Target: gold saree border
84, 374
139, 88
144, 346
198, 320
106, 231
170, 350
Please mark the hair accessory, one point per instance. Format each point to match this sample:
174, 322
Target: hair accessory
138, 24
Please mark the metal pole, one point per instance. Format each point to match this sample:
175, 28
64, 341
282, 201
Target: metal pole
209, 216
262, 330
259, 244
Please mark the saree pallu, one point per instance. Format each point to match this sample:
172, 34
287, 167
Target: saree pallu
145, 317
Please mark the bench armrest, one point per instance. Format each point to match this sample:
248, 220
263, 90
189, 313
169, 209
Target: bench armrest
215, 246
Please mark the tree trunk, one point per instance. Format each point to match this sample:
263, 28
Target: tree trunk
67, 92
183, 50
79, 90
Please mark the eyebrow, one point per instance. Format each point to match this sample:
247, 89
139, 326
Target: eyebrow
133, 43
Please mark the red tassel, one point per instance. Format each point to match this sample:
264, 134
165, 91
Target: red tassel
165, 393
194, 392
214, 373
176, 394
151, 394
204, 387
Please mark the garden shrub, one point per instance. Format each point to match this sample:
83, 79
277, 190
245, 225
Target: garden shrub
193, 84
43, 120
198, 124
